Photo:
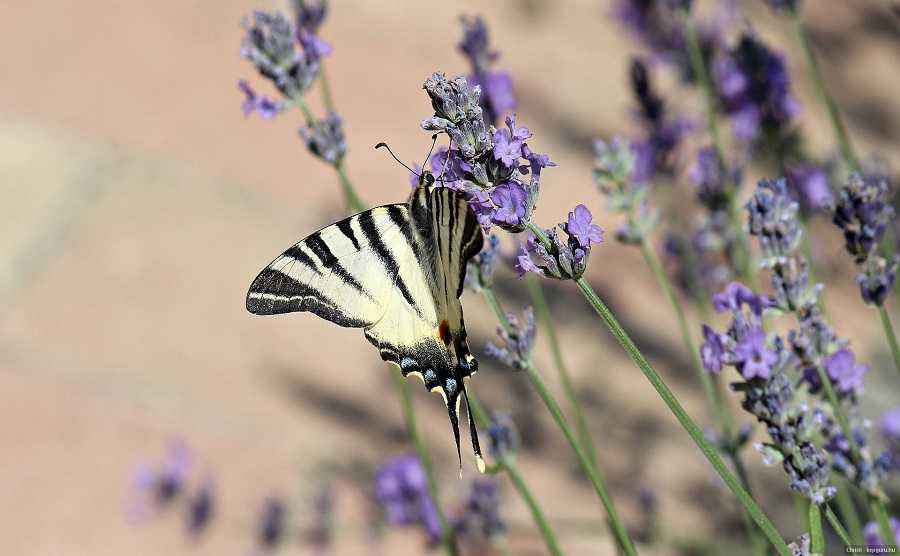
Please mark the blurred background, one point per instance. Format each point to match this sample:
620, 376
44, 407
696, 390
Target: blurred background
138, 203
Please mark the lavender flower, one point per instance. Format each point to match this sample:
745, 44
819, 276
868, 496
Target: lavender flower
310, 14
563, 261
266, 107
486, 164
764, 364
480, 271
653, 153
270, 45
843, 370
498, 97
773, 219
614, 174
155, 489
518, 341
802, 546
480, 516
402, 490
504, 437
656, 26
272, 523
325, 139
863, 212
754, 86
889, 427
706, 174
810, 186
201, 508
873, 533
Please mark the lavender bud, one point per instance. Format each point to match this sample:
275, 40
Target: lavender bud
862, 211
518, 341
504, 436
325, 139
480, 271
877, 279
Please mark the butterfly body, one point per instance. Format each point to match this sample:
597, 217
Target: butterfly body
396, 271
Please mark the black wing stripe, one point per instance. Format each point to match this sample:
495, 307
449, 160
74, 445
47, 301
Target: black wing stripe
367, 225
346, 229
264, 300
298, 254
320, 250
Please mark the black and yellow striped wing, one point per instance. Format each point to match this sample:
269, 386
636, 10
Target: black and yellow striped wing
397, 272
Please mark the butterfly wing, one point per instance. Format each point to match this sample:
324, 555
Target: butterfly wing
397, 272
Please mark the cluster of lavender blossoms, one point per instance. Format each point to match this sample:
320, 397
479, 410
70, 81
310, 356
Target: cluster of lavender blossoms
401, 489
561, 260
863, 212
765, 364
517, 341
815, 348
488, 165
290, 55
753, 85
654, 151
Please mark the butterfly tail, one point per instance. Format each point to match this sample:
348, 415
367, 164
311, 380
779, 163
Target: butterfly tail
452, 399
473, 433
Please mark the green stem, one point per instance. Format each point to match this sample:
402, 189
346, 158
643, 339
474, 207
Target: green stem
409, 416
326, 89
543, 311
307, 114
508, 464
878, 509
848, 512
350, 197
837, 124
594, 475
889, 333
713, 397
689, 425
816, 534
837, 526
687, 340
698, 64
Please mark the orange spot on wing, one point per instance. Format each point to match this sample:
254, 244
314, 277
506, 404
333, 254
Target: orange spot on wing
444, 333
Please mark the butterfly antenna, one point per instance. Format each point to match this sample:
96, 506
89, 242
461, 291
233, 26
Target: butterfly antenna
385, 145
431, 150
446, 163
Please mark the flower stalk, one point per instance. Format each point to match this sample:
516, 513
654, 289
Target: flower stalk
890, 335
594, 475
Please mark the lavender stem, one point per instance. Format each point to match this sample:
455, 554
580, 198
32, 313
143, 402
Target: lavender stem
889, 333
508, 464
543, 310
837, 526
594, 475
817, 535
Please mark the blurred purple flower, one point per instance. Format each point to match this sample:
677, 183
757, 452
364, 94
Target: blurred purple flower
481, 513
402, 490
155, 489
272, 523
320, 533
863, 212
266, 107
706, 174
752, 357
201, 508
877, 279
787, 5
873, 534
498, 97
754, 86
844, 372
325, 138
810, 185
310, 14
480, 271
504, 437
889, 426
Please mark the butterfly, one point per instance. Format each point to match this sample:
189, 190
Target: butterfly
397, 272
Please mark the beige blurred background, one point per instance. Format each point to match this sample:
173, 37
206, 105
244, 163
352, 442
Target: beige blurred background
138, 203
